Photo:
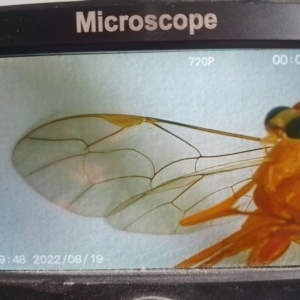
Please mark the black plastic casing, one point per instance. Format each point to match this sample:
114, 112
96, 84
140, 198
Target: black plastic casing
51, 29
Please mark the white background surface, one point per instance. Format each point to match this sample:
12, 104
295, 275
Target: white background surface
234, 94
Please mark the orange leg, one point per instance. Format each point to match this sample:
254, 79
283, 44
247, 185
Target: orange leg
220, 210
217, 211
268, 231
205, 254
268, 236
268, 251
265, 248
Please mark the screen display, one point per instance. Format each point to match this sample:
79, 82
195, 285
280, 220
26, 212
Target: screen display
150, 160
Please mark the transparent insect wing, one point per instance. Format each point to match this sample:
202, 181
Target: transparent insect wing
142, 175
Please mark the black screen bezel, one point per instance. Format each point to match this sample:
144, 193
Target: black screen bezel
50, 28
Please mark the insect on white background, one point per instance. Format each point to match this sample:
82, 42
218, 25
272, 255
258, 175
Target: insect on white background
232, 95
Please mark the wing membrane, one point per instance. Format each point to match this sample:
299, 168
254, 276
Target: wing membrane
141, 174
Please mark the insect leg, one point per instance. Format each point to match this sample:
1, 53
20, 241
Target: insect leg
276, 245
272, 241
244, 241
256, 231
220, 210
210, 251
267, 252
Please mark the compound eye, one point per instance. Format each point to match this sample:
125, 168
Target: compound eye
292, 129
273, 112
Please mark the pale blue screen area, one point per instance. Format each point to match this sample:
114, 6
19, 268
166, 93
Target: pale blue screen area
232, 94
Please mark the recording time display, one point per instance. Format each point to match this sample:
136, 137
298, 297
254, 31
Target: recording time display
17, 259
286, 59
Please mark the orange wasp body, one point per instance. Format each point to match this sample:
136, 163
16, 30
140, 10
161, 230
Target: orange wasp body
275, 224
